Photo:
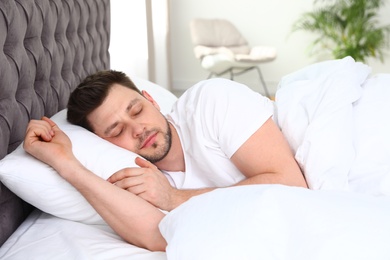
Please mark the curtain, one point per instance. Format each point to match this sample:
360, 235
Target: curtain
140, 39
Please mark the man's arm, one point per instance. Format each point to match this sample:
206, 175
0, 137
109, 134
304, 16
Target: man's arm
134, 219
150, 184
265, 158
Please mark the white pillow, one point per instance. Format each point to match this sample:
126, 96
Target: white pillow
38, 183
278, 222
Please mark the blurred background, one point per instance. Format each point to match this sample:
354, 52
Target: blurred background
151, 38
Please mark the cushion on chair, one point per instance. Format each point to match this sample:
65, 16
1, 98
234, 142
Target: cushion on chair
258, 54
217, 63
201, 51
221, 49
218, 36
221, 63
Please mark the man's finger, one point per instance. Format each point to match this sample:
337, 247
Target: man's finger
129, 183
144, 163
51, 122
38, 129
125, 173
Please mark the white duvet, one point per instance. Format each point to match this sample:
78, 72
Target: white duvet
335, 116
276, 222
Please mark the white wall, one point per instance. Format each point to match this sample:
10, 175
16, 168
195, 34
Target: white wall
129, 48
261, 22
128, 43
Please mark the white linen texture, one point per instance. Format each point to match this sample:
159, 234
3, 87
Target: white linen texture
45, 237
279, 222
334, 115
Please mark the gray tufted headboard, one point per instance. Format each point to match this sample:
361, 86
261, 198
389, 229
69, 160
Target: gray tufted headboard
46, 48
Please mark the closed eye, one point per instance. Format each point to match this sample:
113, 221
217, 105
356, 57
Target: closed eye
136, 110
117, 132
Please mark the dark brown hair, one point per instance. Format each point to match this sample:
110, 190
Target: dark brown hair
91, 93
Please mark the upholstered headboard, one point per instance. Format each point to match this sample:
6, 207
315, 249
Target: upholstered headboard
46, 48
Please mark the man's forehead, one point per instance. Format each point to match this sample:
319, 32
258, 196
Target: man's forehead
123, 88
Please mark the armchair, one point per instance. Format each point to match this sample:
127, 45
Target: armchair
221, 49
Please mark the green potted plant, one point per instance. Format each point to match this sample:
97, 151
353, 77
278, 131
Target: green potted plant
346, 28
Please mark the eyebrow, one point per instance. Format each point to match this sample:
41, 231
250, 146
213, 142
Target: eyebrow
128, 108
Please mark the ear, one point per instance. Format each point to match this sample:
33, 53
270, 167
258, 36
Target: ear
150, 99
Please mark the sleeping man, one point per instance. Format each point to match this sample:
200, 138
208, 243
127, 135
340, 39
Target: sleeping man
218, 134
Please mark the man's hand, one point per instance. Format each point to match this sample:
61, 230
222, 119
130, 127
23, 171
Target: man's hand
147, 182
46, 141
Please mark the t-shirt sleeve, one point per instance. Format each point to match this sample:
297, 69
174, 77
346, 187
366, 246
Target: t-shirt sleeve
230, 113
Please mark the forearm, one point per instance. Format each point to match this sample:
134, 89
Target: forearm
134, 219
180, 196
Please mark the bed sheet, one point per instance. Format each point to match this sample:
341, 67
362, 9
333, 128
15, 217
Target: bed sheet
43, 236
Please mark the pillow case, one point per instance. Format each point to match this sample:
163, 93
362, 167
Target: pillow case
278, 222
39, 184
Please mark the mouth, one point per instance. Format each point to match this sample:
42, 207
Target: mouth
149, 140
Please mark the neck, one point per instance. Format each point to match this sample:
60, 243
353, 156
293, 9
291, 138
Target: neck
174, 160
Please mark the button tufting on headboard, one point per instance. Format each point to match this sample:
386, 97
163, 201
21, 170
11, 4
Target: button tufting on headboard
46, 48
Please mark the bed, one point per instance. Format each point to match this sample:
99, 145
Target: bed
331, 114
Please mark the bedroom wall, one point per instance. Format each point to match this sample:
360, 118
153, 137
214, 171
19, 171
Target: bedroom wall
128, 45
261, 22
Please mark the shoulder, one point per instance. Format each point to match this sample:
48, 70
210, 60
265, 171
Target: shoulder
217, 85
221, 96
217, 90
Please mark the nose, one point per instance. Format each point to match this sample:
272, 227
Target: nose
137, 129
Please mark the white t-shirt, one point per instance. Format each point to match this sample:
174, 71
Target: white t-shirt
213, 119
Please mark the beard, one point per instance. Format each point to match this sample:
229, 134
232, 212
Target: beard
161, 151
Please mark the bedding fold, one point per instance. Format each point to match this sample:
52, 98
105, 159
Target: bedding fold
320, 111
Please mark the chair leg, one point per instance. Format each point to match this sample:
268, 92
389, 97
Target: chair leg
231, 74
263, 82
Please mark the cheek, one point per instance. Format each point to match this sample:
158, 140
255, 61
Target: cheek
123, 142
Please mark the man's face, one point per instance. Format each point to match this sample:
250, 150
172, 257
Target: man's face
133, 122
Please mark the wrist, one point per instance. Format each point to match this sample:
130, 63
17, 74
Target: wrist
180, 196
177, 198
69, 168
